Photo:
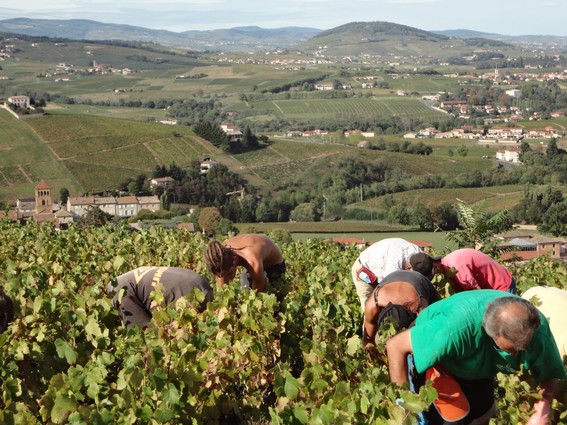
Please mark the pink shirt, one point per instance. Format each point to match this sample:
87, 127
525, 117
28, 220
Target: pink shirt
476, 270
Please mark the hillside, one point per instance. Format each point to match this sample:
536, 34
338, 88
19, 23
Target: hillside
533, 41
228, 40
98, 153
375, 38
388, 39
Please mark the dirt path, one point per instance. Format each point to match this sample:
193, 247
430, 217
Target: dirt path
28, 178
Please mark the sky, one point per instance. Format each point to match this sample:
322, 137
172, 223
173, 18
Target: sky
506, 17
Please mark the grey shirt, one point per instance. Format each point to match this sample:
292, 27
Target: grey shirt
136, 304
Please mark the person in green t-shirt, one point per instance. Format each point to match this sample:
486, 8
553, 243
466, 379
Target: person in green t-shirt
474, 335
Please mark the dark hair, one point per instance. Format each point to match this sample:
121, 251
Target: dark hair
398, 314
513, 318
6, 310
218, 258
423, 263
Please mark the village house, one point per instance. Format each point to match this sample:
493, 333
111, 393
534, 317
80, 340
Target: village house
161, 182
20, 101
527, 247
542, 133
167, 121
149, 203
206, 165
126, 206
233, 132
505, 133
324, 87
106, 204
511, 154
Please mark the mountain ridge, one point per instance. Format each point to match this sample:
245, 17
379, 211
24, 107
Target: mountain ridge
255, 38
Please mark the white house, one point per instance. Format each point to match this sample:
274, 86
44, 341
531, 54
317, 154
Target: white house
511, 154
516, 93
161, 182
20, 101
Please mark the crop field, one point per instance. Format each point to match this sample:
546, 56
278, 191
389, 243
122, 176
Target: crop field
423, 83
286, 159
299, 149
96, 177
25, 159
135, 114
496, 197
290, 355
102, 152
362, 108
283, 171
179, 150
135, 158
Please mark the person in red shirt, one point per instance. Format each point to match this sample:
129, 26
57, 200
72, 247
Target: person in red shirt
468, 269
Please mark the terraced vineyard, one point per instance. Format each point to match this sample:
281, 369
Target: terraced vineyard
102, 152
362, 108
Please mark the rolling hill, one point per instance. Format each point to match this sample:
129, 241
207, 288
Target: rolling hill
92, 153
234, 39
356, 38
393, 40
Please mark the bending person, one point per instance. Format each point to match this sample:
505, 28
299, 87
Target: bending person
552, 302
379, 260
258, 254
474, 335
135, 305
468, 269
402, 295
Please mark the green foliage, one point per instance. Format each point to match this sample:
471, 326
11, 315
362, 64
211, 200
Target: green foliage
478, 227
279, 236
291, 355
94, 216
209, 218
225, 227
555, 220
306, 211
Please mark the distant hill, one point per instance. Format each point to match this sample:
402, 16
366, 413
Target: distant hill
228, 40
388, 39
380, 38
545, 41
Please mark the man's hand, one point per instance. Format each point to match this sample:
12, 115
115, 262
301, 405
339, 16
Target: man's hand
541, 414
371, 349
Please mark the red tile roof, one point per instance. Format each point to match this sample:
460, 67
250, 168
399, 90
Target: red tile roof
42, 185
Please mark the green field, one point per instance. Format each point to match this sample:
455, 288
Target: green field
88, 153
102, 152
354, 108
25, 159
496, 197
89, 148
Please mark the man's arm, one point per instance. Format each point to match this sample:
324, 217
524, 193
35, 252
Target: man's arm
370, 315
256, 271
220, 281
398, 347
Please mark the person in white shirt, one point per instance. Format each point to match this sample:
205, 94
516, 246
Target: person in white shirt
552, 302
378, 261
